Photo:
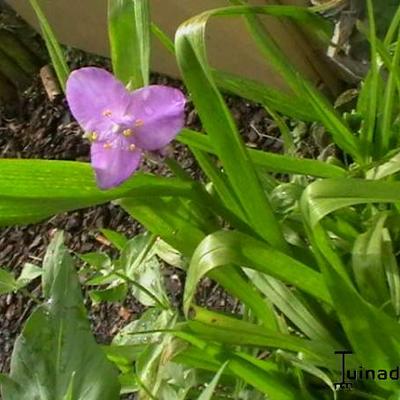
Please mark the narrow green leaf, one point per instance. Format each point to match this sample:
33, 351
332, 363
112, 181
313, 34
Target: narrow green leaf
190, 49
325, 196
54, 49
269, 161
262, 375
129, 33
231, 330
367, 262
224, 247
208, 392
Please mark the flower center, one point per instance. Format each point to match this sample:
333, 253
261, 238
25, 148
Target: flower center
127, 132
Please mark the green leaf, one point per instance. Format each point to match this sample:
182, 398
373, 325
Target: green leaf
225, 247
266, 161
286, 104
223, 134
286, 300
392, 270
363, 324
208, 392
141, 266
114, 293
97, 260
54, 49
233, 331
8, 284
326, 196
129, 33
32, 190
367, 262
28, 274
169, 255
143, 331
371, 89
262, 375
164, 218
117, 239
56, 343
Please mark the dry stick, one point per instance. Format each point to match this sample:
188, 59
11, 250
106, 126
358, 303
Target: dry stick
50, 82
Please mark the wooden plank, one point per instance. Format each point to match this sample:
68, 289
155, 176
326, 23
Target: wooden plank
82, 24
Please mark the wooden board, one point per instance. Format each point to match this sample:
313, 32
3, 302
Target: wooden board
82, 24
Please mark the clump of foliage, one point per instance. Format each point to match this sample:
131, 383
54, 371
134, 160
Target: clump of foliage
312, 257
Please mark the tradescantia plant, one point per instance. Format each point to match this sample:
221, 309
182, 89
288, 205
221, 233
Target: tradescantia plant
312, 256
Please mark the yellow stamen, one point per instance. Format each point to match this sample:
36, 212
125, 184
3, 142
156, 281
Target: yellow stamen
107, 146
139, 123
132, 147
91, 136
127, 132
107, 113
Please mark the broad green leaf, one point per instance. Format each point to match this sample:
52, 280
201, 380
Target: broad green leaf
143, 331
129, 33
150, 363
56, 344
116, 238
28, 274
8, 284
32, 190
169, 255
116, 292
54, 49
97, 260
225, 247
141, 266
123, 356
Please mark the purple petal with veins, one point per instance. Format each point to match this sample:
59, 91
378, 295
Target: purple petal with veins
160, 115
113, 165
121, 124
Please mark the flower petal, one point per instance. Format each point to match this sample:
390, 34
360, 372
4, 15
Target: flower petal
96, 98
113, 165
159, 113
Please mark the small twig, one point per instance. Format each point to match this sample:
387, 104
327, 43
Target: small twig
50, 83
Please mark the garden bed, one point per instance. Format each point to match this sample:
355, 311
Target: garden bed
44, 129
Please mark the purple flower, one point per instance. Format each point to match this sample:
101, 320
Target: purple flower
122, 124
